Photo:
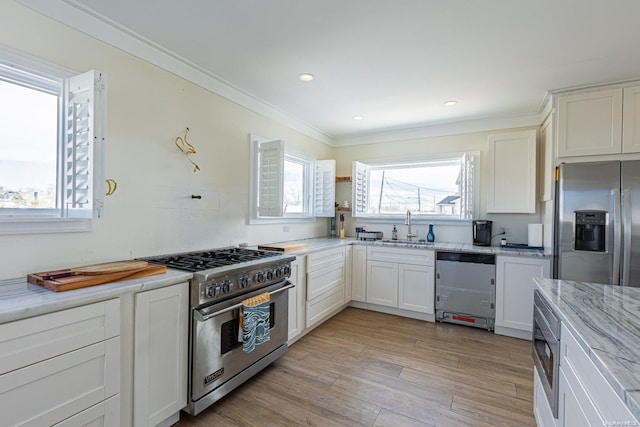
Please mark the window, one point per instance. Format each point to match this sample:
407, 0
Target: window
288, 187
441, 187
51, 142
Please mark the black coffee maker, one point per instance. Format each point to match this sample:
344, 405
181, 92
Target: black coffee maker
482, 232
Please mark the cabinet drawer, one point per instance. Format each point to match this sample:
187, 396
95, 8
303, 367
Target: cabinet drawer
607, 402
324, 280
401, 255
105, 414
32, 340
53, 390
322, 259
324, 305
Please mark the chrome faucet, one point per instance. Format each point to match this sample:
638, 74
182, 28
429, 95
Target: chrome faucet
407, 222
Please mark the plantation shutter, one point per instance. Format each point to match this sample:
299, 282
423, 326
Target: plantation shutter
83, 146
359, 188
324, 188
466, 187
270, 178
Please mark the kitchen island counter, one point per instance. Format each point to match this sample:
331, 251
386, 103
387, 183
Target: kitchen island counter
605, 320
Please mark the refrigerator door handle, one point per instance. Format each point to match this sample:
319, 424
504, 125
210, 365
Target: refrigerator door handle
617, 225
626, 231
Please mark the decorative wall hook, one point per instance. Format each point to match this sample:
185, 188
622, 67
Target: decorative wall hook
188, 149
112, 186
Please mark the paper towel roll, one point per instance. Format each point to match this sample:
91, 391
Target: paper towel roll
535, 235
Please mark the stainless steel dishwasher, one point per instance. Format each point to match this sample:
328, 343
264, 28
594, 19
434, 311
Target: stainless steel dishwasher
466, 288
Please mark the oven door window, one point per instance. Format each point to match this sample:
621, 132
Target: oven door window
230, 336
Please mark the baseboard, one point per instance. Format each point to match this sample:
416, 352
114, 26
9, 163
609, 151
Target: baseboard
515, 333
395, 311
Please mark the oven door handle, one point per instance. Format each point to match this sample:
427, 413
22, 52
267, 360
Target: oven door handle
202, 317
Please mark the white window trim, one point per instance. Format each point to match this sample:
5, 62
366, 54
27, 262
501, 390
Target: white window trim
416, 219
312, 169
17, 221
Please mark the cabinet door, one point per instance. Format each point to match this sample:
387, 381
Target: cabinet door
348, 265
160, 355
514, 290
382, 283
546, 168
571, 408
297, 297
590, 123
416, 288
512, 172
359, 274
631, 120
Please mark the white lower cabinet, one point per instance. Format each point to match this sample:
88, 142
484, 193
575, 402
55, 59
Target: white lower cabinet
586, 398
382, 283
514, 293
325, 284
297, 298
414, 285
160, 354
541, 408
59, 365
400, 278
359, 273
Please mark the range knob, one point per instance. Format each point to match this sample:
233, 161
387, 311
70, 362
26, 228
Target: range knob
243, 281
259, 277
269, 275
279, 272
227, 286
287, 270
212, 291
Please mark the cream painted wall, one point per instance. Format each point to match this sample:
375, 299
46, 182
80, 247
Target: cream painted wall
152, 211
444, 231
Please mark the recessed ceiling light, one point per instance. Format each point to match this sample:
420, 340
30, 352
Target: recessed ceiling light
358, 117
306, 77
450, 103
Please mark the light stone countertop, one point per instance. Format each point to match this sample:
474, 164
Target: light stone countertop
321, 243
606, 321
20, 299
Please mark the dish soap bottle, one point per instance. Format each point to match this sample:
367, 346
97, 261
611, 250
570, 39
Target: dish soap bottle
394, 233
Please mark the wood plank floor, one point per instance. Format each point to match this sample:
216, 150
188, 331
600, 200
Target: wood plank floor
363, 368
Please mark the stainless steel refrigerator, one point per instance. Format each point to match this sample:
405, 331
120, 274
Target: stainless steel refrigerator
597, 229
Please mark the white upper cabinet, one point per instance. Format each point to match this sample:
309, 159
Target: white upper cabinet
512, 172
631, 120
590, 124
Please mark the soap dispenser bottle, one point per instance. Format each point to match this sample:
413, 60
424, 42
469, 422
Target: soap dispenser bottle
394, 233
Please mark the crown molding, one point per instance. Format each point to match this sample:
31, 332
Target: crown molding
77, 16
442, 129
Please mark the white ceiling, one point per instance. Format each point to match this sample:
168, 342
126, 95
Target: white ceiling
392, 62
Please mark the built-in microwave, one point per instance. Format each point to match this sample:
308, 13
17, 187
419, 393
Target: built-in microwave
546, 348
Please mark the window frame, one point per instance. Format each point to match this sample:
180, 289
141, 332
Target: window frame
31, 72
361, 175
313, 169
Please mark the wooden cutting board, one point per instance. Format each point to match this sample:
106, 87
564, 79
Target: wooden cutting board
110, 267
284, 247
66, 280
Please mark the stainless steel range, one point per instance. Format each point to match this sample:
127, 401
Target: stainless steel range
222, 279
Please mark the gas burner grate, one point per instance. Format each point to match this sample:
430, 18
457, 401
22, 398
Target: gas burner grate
204, 260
